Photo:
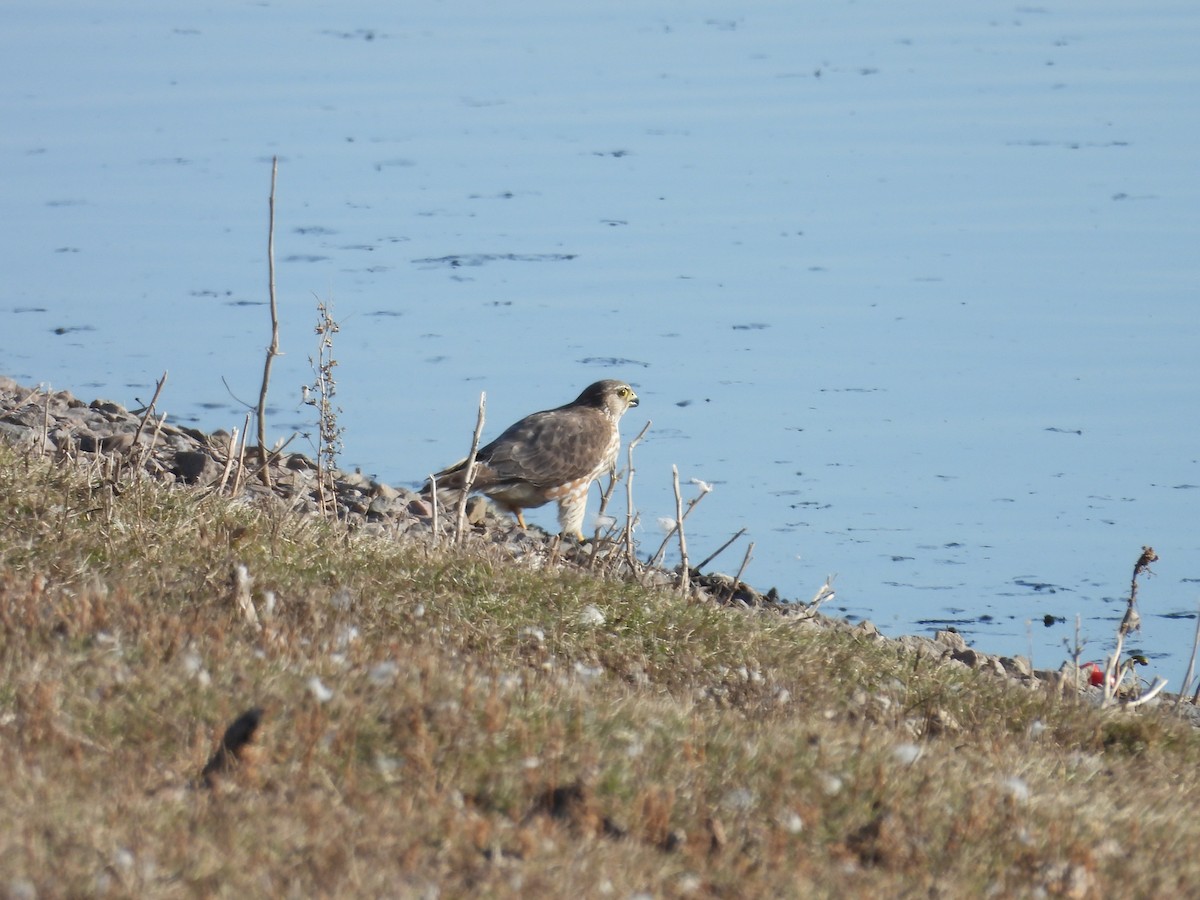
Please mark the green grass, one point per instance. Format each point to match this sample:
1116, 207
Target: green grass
695, 751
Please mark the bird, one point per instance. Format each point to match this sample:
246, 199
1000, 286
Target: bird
554, 454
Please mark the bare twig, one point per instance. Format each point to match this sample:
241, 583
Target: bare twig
273, 348
1154, 690
433, 503
149, 409
468, 474
824, 594
684, 573
737, 579
1191, 666
229, 457
630, 556
725, 546
704, 489
240, 469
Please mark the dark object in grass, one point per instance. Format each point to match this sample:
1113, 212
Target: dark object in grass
233, 746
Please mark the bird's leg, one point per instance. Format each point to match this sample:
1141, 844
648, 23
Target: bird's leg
520, 518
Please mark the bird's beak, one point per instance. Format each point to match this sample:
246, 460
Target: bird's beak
633, 401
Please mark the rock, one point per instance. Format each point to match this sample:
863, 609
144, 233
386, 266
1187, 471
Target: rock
951, 639
189, 465
384, 491
1017, 666
972, 659
477, 510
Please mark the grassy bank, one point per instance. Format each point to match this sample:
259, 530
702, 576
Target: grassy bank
454, 723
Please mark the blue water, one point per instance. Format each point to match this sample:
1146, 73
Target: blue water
915, 288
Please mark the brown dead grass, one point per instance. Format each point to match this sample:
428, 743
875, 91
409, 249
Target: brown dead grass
442, 724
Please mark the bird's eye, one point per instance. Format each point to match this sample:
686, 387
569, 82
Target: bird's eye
623, 392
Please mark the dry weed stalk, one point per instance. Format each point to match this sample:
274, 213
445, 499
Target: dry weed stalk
684, 572
273, 347
1115, 671
320, 396
469, 475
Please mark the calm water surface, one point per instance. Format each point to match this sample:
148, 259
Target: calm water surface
915, 289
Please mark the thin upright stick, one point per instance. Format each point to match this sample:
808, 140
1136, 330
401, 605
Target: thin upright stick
469, 476
149, 409
737, 579
229, 458
240, 469
629, 554
273, 349
433, 502
1191, 666
684, 573
671, 531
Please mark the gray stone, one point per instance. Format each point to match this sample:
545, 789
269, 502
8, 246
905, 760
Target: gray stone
951, 639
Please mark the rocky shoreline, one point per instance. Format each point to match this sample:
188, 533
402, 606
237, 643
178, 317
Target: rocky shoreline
105, 434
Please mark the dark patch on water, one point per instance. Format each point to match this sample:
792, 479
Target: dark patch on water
457, 260
29, 309
946, 624
358, 34
615, 154
613, 222
1185, 487
1069, 145
1057, 430
305, 257
69, 329
611, 362
851, 390
1041, 587
751, 326
314, 230
397, 163
67, 250
391, 313
1180, 614
245, 302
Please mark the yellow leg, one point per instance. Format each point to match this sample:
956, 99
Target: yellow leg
520, 518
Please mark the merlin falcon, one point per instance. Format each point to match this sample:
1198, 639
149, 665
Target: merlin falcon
555, 454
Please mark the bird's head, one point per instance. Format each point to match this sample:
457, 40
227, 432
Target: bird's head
612, 396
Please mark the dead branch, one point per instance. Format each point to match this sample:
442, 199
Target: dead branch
273, 348
468, 474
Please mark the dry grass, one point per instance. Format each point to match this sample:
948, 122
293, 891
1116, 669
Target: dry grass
454, 724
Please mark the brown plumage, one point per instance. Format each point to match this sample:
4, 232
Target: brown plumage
555, 454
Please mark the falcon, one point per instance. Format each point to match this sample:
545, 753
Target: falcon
555, 454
